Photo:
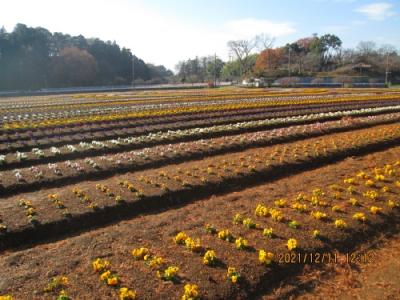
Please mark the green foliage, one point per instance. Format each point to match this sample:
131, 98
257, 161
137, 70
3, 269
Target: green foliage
34, 58
199, 69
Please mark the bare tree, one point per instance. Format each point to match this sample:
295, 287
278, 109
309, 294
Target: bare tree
242, 49
264, 41
387, 49
366, 48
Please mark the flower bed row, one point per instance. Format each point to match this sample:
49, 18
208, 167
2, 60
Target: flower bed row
127, 195
207, 107
64, 103
23, 140
93, 147
53, 174
254, 248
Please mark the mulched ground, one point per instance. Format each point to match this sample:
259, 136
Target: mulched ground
222, 173
379, 279
26, 272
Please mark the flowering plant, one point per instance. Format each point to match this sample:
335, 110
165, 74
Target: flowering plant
265, 257
339, 223
233, 275
291, 244
190, 292
169, 274
241, 243
209, 258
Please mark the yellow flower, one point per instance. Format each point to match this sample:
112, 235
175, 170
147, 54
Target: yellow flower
105, 275
268, 232
317, 192
265, 257
300, 207
52, 196
30, 211
140, 253
385, 189
209, 257
353, 201
280, 202
276, 215
241, 243
373, 195
64, 280
233, 275
294, 224
291, 244
225, 235
349, 180
370, 183
156, 261
339, 223
319, 215
316, 234
6, 297
336, 208
192, 244
392, 204
249, 223
362, 174
180, 238
379, 177
301, 197
351, 189
237, 219
261, 210
170, 273
63, 295
190, 292
375, 210
360, 217
126, 294
100, 265
112, 281
56, 283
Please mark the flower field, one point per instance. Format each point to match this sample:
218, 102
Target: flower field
191, 194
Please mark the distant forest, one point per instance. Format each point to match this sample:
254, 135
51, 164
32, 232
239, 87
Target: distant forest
317, 57
34, 58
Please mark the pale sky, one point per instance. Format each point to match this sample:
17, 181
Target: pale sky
164, 32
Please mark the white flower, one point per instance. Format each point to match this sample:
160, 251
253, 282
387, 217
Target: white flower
55, 150
21, 155
71, 148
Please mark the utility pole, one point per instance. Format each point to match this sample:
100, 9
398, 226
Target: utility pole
133, 71
387, 69
290, 71
215, 69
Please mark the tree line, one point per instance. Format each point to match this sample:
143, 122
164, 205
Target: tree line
34, 58
310, 56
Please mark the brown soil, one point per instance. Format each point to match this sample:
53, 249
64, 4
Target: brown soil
26, 272
374, 280
227, 171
